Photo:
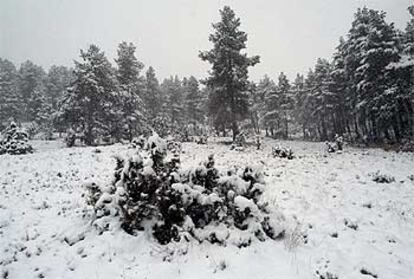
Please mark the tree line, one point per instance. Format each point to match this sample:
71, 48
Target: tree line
364, 92
97, 98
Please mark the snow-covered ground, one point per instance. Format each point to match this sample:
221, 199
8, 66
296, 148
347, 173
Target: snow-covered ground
340, 223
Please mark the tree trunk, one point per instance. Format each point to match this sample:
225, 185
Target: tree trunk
235, 129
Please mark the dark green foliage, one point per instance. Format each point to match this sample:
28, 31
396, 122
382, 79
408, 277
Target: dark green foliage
228, 84
14, 141
129, 103
90, 105
177, 205
9, 99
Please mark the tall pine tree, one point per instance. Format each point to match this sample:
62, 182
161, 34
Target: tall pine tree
89, 103
131, 88
228, 79
9, 100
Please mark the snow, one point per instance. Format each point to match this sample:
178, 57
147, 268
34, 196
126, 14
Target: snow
242, 203
337, 220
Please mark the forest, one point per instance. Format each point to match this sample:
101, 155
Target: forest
363, 92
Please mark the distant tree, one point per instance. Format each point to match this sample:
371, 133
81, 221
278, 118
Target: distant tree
299, 95
129, 102
271, 117
9, 100
286, 103
371, 47
173, 100
89, 103
228, 79
255, 106
57, 81
129, 67
193, 101
152, 97
400, 80
31, 78
409, 34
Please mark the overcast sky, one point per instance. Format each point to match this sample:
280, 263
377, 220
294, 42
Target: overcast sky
289, 35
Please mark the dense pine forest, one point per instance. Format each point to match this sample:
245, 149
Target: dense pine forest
364, 92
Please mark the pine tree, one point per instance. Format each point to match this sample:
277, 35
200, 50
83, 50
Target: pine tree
343, 107
193, 101
255, 106
286, 103
9, 101
152, 96
299, 94
371, 47
57, 80
129, 67
130, 105
308, 105
89, 103
228, 79
31, 78
173, 106
267, 91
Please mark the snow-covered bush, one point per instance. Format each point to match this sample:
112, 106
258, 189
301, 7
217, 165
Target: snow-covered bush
282, 152
138, 142
202, 139
14, 141
151, 192
240, 139
382, 178
407, 146
335, 146
174, 146
330, 147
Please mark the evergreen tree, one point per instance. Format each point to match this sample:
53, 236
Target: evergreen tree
228, 79
193, 101
173, 105
130, 105
286, 103
9, 100
267, 91
31, 78
57, 80
299, 94
152, 98
254, 107
343, 107
129, 67
371, 47
89, 103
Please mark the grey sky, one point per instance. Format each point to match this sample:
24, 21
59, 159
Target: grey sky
288, 34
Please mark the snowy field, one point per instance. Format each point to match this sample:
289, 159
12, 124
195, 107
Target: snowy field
339, 222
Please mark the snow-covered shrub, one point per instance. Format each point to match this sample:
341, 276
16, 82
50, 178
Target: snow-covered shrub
240, 139
282, 152
331, 148
335, 146
174, 146
70, 138
382, 178
138, 142
14, 141
202, 139
151, 192
339, 141
407, 146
